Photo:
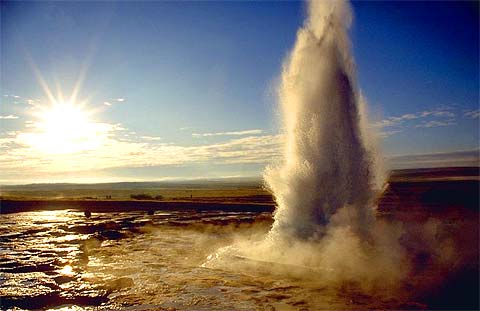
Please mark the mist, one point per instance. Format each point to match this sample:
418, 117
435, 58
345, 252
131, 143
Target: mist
326, 165
326, 184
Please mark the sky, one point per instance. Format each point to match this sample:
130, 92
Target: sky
188, 89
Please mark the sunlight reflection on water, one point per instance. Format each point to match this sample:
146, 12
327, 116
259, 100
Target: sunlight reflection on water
67, 270
61, 260
133, 261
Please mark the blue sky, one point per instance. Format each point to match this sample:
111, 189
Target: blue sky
187, 89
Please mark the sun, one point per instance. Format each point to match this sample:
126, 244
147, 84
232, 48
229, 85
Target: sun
64, 119
65, 128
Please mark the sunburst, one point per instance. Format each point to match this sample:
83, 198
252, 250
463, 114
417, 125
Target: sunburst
64, 126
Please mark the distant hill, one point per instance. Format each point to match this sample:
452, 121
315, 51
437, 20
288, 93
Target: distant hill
437, 172
228, 183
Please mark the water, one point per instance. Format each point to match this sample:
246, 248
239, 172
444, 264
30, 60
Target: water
54, 258
327, 168
60, 260
132, 261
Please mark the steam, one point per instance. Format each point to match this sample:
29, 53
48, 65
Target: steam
326, 184
324, 226
326, 166
324, 229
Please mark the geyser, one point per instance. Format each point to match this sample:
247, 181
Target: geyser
325, 231
324, 226
327, 172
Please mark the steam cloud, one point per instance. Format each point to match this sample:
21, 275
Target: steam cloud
324, 228
326, 184
327, 166
324, 225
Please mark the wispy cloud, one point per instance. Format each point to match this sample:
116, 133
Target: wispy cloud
423, 119
252, 149
10, 116
233, 133
16, 99
472, 114
150, 138
111, 102
436, 123
438, 113
385, 134
118, 147
397, 120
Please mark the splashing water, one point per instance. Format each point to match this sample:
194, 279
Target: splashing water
324, 225
326, 166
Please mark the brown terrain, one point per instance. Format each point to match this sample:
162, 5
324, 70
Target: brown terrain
437, 190
437, 210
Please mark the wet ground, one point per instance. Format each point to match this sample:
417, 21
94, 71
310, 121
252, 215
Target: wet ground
60, 260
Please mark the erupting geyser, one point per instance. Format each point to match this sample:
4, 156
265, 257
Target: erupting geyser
327, 172
324, 187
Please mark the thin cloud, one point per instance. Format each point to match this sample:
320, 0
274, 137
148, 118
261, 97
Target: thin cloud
398, 120
29, 124
472, 114
119, 127
434, 123
423, 119
439, 159
447, 114
232, 133
385, 134
114, 151
21, 100
111, 102
151, 138
8, 117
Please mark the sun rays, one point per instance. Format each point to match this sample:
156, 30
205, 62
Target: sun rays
63, 126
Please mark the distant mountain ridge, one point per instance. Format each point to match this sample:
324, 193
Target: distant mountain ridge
437, 172
228, 182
